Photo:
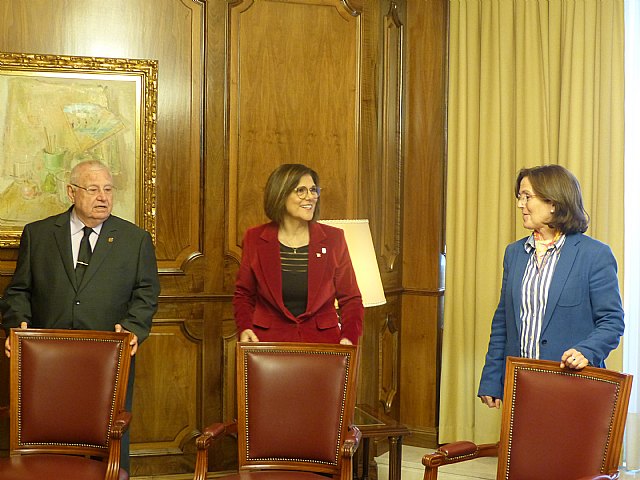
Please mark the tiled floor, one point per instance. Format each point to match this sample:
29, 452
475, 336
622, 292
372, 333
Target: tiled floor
412, 468
480, 468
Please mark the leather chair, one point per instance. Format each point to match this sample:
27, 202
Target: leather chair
295, 407
557, 424
67, 399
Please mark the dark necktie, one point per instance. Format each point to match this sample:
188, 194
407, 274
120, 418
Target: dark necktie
84, 255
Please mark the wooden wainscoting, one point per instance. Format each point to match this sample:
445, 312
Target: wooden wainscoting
354, 88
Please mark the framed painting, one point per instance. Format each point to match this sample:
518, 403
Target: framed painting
61, 110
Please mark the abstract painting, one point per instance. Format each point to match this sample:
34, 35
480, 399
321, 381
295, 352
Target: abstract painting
59, 111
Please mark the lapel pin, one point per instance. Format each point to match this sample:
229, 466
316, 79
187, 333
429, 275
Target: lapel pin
324, 250
318, 255
110, 239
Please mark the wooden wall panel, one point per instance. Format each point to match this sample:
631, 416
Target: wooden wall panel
419, 368
166, 400
387, 214
293, 98
169, 404
167, 30
423, 212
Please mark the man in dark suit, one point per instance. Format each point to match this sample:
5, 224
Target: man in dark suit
109, 283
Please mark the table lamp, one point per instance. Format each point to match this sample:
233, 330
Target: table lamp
363, 258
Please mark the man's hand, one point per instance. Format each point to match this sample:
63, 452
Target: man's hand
7, 343
134, 339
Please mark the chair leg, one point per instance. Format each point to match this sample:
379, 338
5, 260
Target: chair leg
202, 465
430, 473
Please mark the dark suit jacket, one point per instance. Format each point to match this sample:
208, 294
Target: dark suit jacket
584, 309
120, 284
258, 303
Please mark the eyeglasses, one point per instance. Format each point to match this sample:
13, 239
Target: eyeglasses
93, 190
303, 191
523, 198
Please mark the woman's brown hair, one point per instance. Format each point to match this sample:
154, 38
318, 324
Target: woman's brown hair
282, 181
557, 185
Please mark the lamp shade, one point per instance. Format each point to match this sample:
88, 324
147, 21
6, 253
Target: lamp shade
363, 258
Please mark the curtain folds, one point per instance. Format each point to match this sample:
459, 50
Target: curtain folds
632, 229
530, 82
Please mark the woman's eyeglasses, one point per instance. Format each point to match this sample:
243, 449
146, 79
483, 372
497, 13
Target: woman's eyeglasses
303, 191
523, 198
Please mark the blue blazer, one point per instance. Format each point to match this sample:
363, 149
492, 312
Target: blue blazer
584, 309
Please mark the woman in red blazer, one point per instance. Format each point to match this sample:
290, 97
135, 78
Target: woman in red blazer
294, 269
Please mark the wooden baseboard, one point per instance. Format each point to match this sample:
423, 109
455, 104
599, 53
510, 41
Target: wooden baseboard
425, 438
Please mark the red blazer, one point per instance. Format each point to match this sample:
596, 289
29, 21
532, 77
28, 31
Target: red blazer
257, 300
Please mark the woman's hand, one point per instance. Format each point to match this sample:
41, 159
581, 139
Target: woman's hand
491, 402
248, 336
345, 341
573, 359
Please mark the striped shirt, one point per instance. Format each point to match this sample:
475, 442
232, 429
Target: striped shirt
294, 263
535, 292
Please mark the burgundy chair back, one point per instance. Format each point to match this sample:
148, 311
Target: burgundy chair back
296, 401
66, 388
560, 423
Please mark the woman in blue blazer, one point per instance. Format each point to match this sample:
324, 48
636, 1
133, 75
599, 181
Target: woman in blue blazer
560, 298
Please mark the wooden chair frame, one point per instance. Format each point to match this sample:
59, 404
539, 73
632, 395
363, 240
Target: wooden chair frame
465, 450
341, 467
109, 449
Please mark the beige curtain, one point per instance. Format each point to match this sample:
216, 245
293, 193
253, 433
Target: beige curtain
530, 82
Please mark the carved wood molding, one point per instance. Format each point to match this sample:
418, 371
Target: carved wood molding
392, 143
195, 297
185, 229
388, 359
423, 292
229, 341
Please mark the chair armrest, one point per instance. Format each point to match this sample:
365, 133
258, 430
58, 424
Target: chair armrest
351, 441
213, 431
602, 476
453, 453
203, 442
349, 447
118, 428
120, 424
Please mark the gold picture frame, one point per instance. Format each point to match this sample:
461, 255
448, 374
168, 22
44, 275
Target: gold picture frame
60, 110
